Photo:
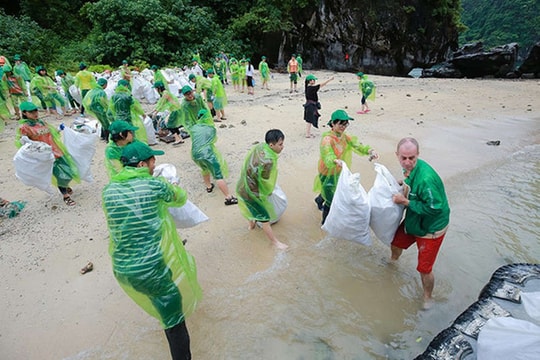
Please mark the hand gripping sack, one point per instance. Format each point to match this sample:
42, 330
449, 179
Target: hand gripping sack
385, 214
185, 216
349, 213
34, 165
81, 145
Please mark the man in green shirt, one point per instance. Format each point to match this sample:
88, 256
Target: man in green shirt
427, 213
148, 258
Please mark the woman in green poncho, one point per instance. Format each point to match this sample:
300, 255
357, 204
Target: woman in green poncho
45, 89
64, 168
257, 181
264, 70
336, 146
97, 104
190, 106
367, 88
123, 106
205, 154
235, 74
148, 258
169, 102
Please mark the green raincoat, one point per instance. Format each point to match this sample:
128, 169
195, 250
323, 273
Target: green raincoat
95, 102
257, 181
264, 70
169, 102
220, 96
203, 149
123, 106
367, 88
148, 258
189, 111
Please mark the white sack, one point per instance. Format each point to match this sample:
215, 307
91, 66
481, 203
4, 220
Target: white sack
34, 165
75, 94
82, 145
385, 214
150, 131
279, 200
349, 213
185, 216
531, 303
507, 338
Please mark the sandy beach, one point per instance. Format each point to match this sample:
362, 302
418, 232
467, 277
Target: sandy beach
51, 311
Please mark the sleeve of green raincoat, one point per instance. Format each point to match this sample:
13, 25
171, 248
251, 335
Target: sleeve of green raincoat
357, 146
162, 280
368, 88
257, 181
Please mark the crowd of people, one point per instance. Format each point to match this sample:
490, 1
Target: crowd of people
149, 259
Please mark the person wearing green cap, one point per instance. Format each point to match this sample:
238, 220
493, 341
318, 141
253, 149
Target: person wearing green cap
149, 260
257, 181
16, 88
312, 105
66, 79
159, 76
336, 147
64, 167
122, 106
21, 68
190, 106
85, 81
169, 102
44, 88
97, 104
367, 89
264, 70
242, 74
121, 133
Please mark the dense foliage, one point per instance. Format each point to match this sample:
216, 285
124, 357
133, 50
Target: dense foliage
169, 32
499, 22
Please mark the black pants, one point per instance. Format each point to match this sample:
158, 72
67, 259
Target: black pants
178, 338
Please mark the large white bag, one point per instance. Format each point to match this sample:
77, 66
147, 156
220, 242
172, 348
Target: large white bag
507, 338
150, 131
279, 200
34, 165
385, 214
185, 216
75, 94
82, 145
349, 213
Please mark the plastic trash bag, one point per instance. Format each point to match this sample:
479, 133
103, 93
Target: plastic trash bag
531, 303
279, 200
34, 165
349, 213
81, 144
185, 216
507, 338
150, 131
75, 94
385, 214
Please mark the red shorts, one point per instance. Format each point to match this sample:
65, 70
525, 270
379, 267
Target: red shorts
427, 248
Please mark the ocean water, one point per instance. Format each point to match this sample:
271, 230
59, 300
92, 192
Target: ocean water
333, 299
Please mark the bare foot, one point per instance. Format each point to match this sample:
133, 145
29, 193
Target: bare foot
281, 246
251, 225
428, 304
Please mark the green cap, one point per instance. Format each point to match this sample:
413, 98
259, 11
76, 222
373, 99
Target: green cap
138, 151
154, 67
102, 81
360, 74
192, 76
210, 71
17, 57
60, 72
27, 106
39, 68
119, 126
82, 66
310, 77
124, 62
186, 89
123, 82
263, 57
339, 115
159, 84
194, 59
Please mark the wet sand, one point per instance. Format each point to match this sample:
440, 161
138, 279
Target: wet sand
51, 311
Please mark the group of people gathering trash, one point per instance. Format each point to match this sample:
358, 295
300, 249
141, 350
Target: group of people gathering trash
144, 203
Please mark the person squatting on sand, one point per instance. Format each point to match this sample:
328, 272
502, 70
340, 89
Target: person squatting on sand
148, 258
336, 146
64, 168
312, 105
257, 181
427, 213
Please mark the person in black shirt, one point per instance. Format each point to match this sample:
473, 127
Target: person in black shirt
312, 105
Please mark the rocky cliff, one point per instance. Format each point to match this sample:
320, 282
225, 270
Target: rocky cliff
387, 37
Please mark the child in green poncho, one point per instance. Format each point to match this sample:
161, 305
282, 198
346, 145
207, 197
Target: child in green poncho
235, 74
257, 181
264, 70
67, 80
219, 96
367, 88
148, 258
